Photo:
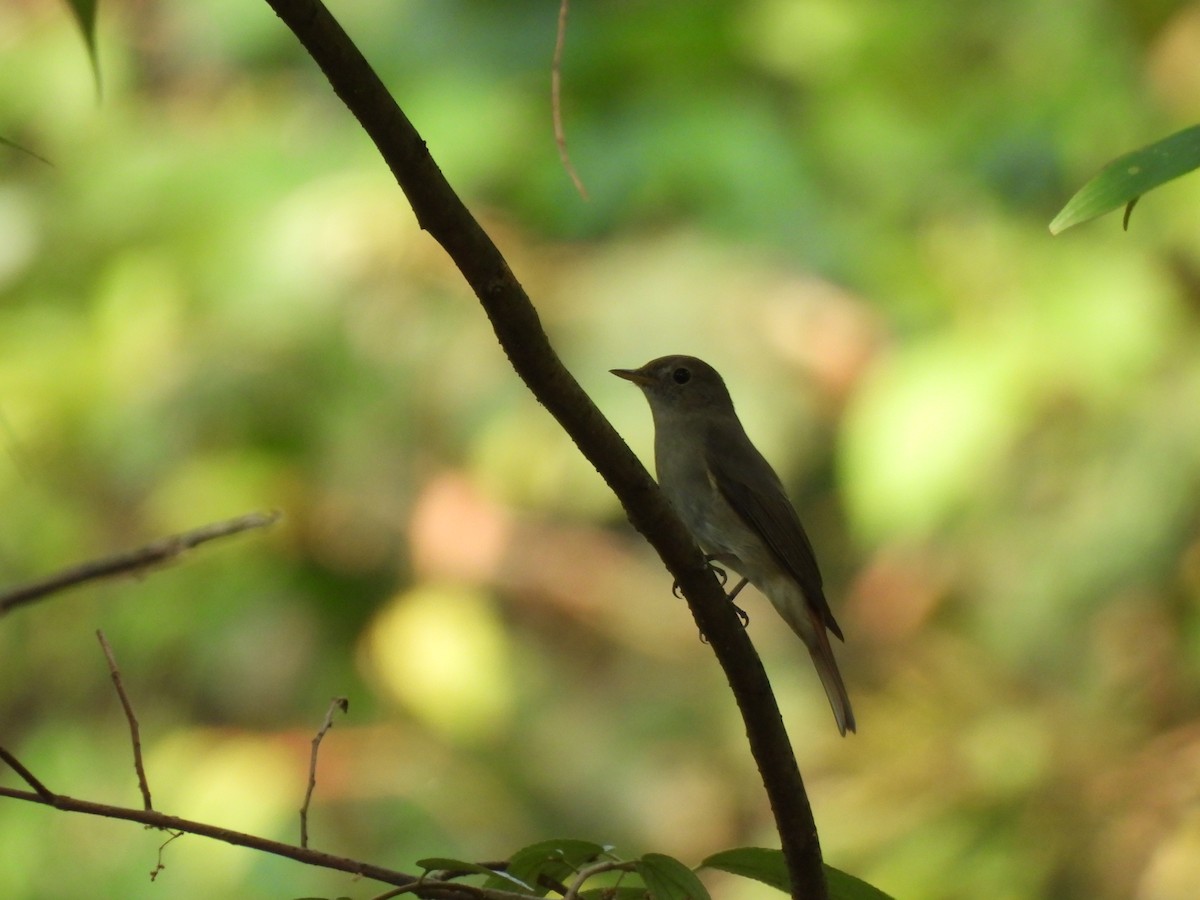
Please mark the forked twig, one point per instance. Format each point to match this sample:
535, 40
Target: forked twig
337, 703
157, 553
43, 792
135, 736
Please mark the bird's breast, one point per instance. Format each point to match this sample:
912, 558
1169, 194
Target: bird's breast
717, 528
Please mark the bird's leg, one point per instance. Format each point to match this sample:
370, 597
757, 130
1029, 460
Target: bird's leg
737, 588
742, 614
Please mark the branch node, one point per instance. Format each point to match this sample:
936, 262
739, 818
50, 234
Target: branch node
40, 789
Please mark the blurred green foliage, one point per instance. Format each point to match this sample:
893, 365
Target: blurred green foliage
216, 301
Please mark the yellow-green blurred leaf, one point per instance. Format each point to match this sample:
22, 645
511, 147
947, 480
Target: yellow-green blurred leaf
85, 15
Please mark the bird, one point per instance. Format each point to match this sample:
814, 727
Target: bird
735, 506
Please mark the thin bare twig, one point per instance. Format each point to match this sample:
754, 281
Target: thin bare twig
160, 865
176, 827
156, 819
44, 793
560, 134
135, 735
159, 552
432, 890
337, 703
607, 865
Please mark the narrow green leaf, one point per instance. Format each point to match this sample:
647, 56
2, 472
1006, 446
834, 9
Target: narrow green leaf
770, 867
557, 859
666, 878
85, 15
1125, 179
7, 143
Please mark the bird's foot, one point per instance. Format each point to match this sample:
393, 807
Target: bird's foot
741, 613
722, 577
717, 570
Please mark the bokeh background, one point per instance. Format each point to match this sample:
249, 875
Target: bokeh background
215, 300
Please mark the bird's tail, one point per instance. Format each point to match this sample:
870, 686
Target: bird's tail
808, 624
831, 680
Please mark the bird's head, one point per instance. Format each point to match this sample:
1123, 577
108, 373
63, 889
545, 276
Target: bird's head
680, 383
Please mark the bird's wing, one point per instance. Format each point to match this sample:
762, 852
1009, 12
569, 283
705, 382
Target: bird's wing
750, 486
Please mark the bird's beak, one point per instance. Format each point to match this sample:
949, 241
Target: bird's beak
637, 376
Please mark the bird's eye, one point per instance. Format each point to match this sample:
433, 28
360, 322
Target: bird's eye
681, 375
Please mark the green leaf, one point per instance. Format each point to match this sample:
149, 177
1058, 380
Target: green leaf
843, 886
85, 15
1125, 179
770, 867
558, 859
760, 863
666, 878
434, 863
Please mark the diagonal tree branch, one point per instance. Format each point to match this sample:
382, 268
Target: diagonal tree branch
518, 328
159, 553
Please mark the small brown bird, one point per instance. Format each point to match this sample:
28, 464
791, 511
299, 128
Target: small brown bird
734, 504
